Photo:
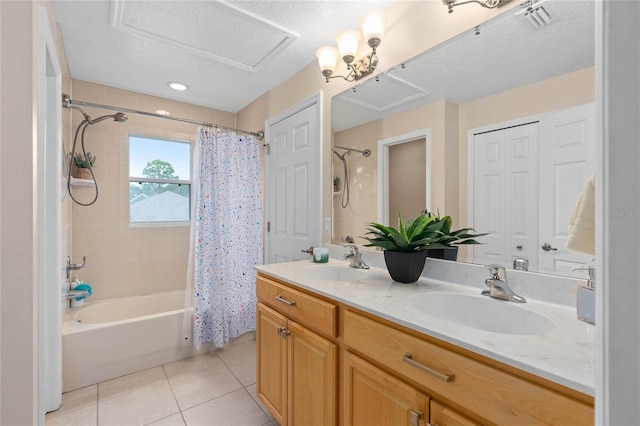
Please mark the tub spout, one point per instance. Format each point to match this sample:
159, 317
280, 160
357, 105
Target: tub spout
72, 294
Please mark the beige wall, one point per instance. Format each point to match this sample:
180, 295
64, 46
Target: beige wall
123, 260
449, 124
363, 181
407, 180
565, 91
412, 27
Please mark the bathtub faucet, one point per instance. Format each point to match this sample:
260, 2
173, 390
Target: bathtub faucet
75, 266
72, 294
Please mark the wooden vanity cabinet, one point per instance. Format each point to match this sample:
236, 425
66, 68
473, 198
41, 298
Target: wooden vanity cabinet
389, 375
374, 397
296, 367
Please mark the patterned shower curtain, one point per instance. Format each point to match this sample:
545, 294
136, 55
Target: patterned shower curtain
227, 241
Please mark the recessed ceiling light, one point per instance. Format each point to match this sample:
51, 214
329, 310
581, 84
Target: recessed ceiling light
162, 112
177, 86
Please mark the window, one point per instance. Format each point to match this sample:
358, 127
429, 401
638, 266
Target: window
159, 180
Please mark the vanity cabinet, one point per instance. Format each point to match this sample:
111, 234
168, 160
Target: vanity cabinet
374, 397
480, 387
388, 374
297, 356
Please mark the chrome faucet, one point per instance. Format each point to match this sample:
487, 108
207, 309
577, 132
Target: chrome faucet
75, 266
499, 287
355, 257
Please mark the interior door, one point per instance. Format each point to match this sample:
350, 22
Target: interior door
293, 197
505, 188
566, 163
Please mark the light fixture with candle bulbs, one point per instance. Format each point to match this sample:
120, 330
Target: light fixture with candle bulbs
372, 30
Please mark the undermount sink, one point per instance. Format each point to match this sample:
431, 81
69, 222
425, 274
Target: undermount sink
482, 313
339, 273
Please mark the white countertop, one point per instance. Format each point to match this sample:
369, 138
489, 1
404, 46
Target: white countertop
564, 355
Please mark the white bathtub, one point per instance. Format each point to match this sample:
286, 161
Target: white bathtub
111, 338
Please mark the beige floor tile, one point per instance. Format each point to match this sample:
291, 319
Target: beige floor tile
173, 420
132, 382
193, 364
244, 369
138, 406
241, 350
197, 387
236, 408
252, 391
79, 408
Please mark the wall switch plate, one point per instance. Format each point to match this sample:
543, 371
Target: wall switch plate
327, 226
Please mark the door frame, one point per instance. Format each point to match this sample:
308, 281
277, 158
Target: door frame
316, 98
383, 169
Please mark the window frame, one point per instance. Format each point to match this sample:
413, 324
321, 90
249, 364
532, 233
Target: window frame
140, 180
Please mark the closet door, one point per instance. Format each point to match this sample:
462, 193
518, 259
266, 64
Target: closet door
505, 195
566, 163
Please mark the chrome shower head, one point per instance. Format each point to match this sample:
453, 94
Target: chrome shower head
120, 117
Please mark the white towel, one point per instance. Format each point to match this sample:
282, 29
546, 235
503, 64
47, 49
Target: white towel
582, 222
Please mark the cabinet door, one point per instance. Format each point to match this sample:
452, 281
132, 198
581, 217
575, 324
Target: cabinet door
374, 397
441, 415
312, 378
271, 365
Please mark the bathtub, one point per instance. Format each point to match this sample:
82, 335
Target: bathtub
111, 338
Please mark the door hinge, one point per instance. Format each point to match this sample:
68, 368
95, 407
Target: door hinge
268, 226
267, 148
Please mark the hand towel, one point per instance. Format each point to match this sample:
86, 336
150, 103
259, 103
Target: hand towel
582, 222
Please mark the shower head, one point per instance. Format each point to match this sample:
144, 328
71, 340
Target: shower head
366, 152
120, 117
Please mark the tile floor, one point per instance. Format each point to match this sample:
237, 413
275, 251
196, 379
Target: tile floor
215, 388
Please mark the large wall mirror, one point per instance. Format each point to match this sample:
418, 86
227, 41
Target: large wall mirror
503, 72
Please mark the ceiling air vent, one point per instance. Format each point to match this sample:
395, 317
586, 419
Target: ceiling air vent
536, 13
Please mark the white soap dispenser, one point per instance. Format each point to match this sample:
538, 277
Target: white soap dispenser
586, 297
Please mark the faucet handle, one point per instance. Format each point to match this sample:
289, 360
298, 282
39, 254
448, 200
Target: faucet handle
498, 272
591, 282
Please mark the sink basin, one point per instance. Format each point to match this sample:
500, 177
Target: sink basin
339, 273
482, 313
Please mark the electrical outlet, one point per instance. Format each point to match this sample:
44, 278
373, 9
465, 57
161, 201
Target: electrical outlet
327, 226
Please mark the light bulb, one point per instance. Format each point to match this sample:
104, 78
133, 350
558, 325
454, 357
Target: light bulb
348, 44
373, 27
327, 59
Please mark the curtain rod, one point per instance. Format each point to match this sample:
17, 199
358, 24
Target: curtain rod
67, 102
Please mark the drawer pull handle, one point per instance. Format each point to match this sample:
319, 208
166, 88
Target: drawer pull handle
416, 416
447, 377
285, 301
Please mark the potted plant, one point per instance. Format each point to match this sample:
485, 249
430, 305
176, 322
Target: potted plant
445, 245
406, 248
82, 163
404, 251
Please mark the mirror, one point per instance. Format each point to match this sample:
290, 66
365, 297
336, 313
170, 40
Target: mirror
500, 72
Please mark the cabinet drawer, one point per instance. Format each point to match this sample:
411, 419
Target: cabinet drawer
487, 391
308, 310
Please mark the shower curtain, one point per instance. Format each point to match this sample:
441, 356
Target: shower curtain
226, 236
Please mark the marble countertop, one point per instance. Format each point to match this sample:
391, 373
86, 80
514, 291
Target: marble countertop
564, 355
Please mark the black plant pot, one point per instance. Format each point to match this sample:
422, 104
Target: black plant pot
446, 253
405, 267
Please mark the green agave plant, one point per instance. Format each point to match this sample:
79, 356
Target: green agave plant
427, 231
83, 162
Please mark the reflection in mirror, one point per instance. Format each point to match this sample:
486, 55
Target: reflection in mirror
511, 70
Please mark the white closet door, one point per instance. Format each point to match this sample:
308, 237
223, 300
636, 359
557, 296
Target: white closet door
489, 213
505, 188
566, 163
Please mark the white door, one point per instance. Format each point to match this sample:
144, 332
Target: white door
505, 188
293, 188
566, 163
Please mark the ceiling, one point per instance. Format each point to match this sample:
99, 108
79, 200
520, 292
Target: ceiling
508, 52
228, 53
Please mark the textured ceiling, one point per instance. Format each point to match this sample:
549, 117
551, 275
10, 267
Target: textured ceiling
228, 53
509, 52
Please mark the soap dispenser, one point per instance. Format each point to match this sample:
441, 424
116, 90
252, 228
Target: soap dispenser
586, 297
